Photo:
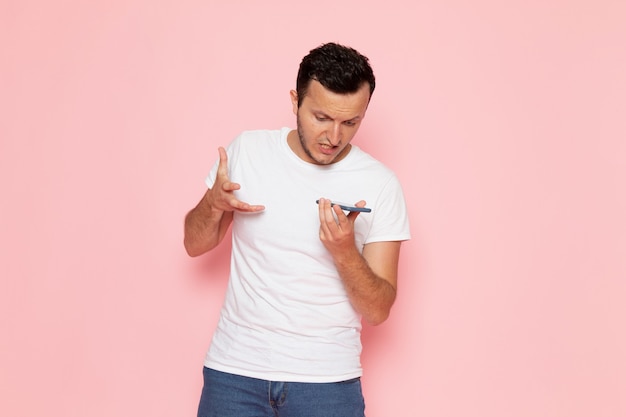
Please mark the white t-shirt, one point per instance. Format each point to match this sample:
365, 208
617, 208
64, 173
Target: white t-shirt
286, 315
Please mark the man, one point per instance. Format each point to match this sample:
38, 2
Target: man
302, 274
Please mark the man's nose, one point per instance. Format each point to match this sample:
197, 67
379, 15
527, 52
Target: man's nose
334, 135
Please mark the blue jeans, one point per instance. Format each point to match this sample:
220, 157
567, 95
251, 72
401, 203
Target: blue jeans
228, 395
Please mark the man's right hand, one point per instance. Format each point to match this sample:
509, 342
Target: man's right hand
221, 196
206, 224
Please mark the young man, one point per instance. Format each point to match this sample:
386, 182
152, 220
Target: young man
303, 275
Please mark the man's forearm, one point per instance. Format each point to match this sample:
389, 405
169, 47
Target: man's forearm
205, 227
370, 295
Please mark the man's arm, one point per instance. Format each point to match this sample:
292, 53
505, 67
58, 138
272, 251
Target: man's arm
370, 278
205, 227
207, 223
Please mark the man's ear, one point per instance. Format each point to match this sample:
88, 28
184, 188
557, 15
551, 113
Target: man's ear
294, 101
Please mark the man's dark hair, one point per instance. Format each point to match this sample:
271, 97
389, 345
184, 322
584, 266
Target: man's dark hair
339, 68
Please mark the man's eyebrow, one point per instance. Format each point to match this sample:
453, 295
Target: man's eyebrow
321, 113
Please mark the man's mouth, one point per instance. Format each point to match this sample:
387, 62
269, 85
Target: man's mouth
327, 149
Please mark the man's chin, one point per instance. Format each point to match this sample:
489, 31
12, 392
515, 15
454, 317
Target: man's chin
323, 159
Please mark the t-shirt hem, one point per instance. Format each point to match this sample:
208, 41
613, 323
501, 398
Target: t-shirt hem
282, 376
397, 238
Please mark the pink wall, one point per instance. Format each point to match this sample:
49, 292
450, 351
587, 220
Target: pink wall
504, 120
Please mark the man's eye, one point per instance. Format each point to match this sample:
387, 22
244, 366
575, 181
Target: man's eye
350, 123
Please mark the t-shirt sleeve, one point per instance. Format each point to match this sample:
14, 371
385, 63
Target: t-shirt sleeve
390, 220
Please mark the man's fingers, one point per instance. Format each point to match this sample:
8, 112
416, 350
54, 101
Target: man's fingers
250, 208
222, 168
230, 186
353, 215
331, 217
325, 212
224, 198
223, 154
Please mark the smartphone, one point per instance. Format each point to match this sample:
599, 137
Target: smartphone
348, 207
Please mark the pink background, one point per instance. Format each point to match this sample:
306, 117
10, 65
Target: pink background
505, 121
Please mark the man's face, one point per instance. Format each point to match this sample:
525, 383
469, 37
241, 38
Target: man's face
327, 122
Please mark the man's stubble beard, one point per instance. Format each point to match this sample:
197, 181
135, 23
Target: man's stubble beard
303, 143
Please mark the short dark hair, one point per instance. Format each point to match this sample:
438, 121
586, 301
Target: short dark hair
339, 68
